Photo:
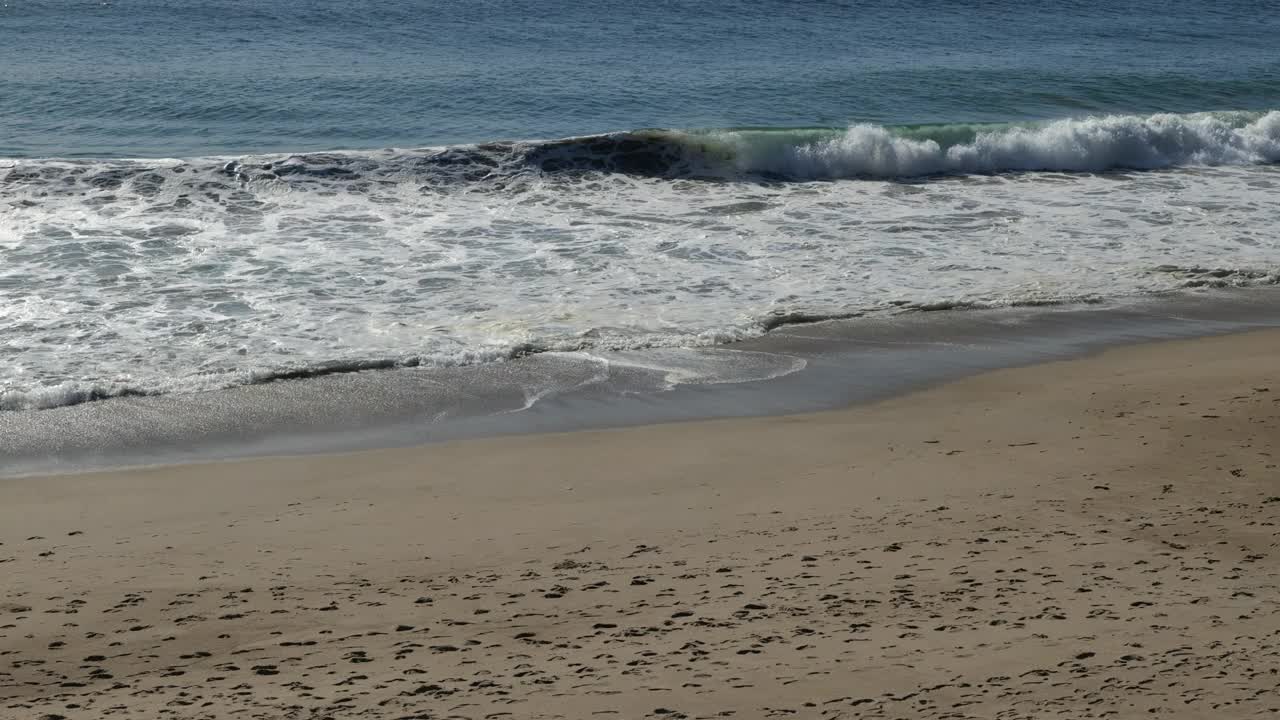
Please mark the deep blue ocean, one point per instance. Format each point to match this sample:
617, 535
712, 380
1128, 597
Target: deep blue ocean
200, 195
172, 78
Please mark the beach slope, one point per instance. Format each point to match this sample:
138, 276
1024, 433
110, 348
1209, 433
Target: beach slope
1090, 538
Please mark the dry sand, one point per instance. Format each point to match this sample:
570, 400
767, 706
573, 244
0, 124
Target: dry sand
1094, 538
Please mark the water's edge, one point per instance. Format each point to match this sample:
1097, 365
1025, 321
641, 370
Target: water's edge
793, 369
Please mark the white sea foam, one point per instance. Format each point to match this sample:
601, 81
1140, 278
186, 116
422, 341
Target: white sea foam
704, 366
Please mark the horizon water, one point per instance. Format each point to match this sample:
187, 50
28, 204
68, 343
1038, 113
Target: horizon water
201, 197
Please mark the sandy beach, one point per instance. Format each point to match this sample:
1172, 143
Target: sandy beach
1082, 539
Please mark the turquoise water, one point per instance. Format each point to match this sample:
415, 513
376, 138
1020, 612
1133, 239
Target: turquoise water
195, 196
167, 78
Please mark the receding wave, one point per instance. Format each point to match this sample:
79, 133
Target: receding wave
77, 392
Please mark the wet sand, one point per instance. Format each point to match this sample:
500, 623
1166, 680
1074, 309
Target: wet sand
1092, 538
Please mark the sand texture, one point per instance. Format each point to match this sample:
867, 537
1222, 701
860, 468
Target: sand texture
1086, 539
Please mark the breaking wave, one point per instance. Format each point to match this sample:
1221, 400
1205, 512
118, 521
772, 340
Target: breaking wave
1114, 142
863, 151
1091, 144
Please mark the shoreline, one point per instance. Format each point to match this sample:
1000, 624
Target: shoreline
1088, 536
792, 369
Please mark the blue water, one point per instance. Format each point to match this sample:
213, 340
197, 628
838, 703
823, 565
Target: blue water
199, 195
172, 78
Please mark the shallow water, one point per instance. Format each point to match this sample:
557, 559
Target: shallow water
794, 369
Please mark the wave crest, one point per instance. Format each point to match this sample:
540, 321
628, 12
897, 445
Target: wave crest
1085, 145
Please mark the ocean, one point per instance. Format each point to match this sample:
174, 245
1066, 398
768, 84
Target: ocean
202, 196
